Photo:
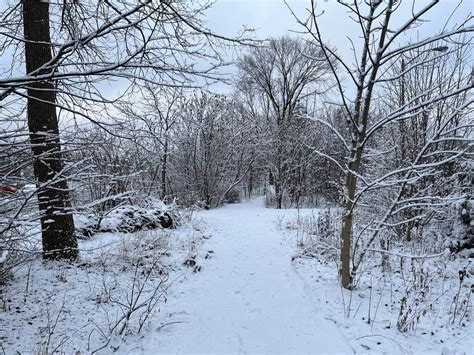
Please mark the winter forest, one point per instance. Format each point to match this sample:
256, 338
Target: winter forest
236, 176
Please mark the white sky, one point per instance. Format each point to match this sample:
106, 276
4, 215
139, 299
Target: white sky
272, 18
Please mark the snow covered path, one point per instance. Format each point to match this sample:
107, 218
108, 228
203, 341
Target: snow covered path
248, 298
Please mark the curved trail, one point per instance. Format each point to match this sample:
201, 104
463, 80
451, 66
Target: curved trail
247, 299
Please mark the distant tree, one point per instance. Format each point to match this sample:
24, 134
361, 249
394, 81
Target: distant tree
284, 72
214, 150
153, 117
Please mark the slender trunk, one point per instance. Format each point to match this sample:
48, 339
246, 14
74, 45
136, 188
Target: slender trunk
402, 124
279, 185
250, 185
346, 233
361, 117
57, 224
164, 170
278, 193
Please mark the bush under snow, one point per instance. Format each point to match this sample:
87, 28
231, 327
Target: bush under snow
127, 219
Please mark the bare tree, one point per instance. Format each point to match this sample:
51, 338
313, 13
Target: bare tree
364, 121
57, 224
285, 71
155, 116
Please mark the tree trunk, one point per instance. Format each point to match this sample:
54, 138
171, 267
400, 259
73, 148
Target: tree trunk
250, 184
164, 167
346, 233
278, 194
57, 224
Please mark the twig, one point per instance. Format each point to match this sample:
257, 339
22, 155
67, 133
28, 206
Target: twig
408, 256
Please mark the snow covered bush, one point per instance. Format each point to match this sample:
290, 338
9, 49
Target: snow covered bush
462, 230
128, 219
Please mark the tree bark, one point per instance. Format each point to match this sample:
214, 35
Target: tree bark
57, 224
346, 233
164, 168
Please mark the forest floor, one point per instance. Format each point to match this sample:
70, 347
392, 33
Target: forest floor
232, 280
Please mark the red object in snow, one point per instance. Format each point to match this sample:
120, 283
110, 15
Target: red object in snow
8, 188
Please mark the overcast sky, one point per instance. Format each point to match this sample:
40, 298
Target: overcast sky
272, 18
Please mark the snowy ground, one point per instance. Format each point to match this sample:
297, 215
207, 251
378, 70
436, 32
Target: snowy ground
252, 298
248, 295
114, 291
248, 298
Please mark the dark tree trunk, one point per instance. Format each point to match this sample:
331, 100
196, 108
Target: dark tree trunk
57, 224
278, 194
164, 168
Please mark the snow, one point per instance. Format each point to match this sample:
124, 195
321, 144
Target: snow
3, 256
251, 290
248, 298
255, 296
